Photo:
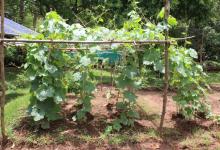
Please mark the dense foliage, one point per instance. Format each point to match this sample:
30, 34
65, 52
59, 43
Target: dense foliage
51, 70
113, 14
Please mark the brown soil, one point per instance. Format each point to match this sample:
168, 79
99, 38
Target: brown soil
149, 107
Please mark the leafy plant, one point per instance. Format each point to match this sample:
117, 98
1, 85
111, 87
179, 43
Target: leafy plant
189, 79
83, 80
46, 71
49, 68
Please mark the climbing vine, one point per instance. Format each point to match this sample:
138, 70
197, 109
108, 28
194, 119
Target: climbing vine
48, 67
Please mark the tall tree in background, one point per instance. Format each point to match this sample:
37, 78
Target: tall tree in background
21, 10
196, 17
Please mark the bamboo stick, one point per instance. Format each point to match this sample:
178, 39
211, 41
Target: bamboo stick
166, 58
183, 38
83, 42
95, 42
2, 77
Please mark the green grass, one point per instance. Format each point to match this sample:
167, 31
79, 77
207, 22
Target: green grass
103, 76
213, 77
198, 138
17, 98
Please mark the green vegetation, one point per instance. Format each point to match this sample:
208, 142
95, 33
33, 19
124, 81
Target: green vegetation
213, 77
17, 96
18, 101
51, 72
113, 14
37, 96
199, 137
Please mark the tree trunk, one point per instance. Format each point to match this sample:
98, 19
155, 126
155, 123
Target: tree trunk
76, 6
201, 49
35, 20
21, 11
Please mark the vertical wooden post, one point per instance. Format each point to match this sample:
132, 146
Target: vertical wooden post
2, 76
166, 58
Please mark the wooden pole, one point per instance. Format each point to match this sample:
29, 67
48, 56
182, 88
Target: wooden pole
166, 58
2, 77
137, 43
84, 42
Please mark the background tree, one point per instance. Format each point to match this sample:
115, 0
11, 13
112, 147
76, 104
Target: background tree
197, 17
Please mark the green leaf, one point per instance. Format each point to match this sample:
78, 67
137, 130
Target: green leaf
108, 130
44, 92
172, 21
37, 114
59, 95
123, 119
192, 53
116, 125
50, 68
89, 87
81, 115
158, 66
58, 99
161, 14
133, 114
130, 96
121, 82
181, 70
121, 106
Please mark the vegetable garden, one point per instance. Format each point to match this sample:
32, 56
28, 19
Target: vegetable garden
61, 59
50, 69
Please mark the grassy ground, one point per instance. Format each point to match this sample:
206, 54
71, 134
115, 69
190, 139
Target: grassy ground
18, 100
213, 77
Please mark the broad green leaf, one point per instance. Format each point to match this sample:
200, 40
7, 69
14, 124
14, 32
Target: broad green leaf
58, 99
161, 14
123, 119
85, 61
77, 76
133, 114
50, 68
44, 92
130, 96
120, 106
36, 114
172, 21
89, 87
116, 125
192, 53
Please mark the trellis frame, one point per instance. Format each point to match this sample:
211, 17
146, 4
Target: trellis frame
2, 76
165, 42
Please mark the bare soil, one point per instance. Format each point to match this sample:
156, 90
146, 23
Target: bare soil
68, 135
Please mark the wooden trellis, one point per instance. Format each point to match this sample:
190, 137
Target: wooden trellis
165, 42
2, 75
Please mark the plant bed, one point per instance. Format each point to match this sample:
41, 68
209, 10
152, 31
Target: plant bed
67, 134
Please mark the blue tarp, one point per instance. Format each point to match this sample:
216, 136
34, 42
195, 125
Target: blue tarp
15, 29
111, 55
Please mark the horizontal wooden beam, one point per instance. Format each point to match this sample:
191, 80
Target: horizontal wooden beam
94, 42
83, 42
